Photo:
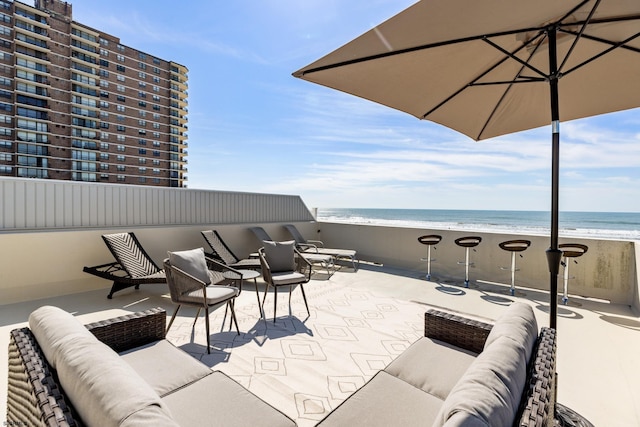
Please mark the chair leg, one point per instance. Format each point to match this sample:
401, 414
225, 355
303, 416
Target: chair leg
206, 313
173, 317
196, 319
304, 297
275, 302
231, 304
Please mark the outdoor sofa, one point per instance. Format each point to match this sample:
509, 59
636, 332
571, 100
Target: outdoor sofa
462, 373
119, 372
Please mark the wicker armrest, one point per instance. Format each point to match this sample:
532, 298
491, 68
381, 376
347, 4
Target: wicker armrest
537, 407
34, 396
132, 330
456, 330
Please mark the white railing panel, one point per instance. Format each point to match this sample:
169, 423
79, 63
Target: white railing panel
30, 204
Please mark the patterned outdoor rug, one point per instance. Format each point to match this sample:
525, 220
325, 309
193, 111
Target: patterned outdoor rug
306, 365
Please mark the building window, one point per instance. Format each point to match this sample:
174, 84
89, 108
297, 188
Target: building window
120, 78
120, 108
142, 84
121, 138
120, 68
121, 168
104, 63
120, 128
142, 55
121, 98
120, 158
142, 113
142, 95
104, 156
120, 57
142, 179
120, 177
104, 166
121, 148
104, 73
142, 104
120, 88
142, 160
104, 125
104, 104
142, 122
142, 151
142, 65
156, 153
104, 145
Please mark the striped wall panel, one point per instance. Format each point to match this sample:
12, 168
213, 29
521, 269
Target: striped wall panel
29, 204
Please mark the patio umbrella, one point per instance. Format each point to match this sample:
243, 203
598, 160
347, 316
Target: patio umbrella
492, 67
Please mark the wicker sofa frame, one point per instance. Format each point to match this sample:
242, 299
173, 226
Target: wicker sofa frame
34, 395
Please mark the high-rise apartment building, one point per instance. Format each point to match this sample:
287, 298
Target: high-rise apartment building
76, 104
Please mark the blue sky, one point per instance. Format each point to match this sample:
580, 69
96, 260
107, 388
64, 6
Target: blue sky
255, 128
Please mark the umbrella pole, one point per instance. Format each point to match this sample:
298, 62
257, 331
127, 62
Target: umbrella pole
554, 255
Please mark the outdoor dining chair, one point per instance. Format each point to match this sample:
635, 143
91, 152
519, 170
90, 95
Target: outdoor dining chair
283, 265
193, 281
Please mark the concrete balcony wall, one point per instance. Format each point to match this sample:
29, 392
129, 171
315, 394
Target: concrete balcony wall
51, 229
608, 271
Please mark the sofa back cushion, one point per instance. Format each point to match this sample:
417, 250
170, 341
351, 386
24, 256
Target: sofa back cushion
52, 326
489, 392
517, 323
104, 390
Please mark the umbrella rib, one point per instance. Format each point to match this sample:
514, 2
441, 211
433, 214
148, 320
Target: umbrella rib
474, 81
515, 58
579, 35
621, 44
413, 49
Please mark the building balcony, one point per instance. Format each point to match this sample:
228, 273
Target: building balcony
51, 229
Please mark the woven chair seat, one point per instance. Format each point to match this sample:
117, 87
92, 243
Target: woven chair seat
287, 278
215, 295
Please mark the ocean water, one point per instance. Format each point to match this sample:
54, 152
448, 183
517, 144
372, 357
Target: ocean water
607, 225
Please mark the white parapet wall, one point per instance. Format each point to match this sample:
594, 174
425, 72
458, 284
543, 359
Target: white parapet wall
608, 271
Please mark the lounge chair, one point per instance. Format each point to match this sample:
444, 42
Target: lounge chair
282, 265
317, 246
192, 279
221, 252
325, 260
133, 266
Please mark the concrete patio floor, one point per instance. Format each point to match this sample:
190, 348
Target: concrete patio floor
598, 342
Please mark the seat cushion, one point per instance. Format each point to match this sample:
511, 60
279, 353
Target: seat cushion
489, 392
288, 278
215, 295
422, 365
519, 324
164, 367
385, 401
280, 255
217, 400
191, 262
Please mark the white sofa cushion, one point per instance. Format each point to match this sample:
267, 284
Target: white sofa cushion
52, 326
431, 365
385, 401
519, 324
104, 390
217, 400
489, 392
164, 367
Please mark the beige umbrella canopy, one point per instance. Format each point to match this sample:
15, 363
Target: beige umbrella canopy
492, 67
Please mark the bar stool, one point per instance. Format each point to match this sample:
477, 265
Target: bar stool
429, 240
514, 246
570, 250
467, 242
